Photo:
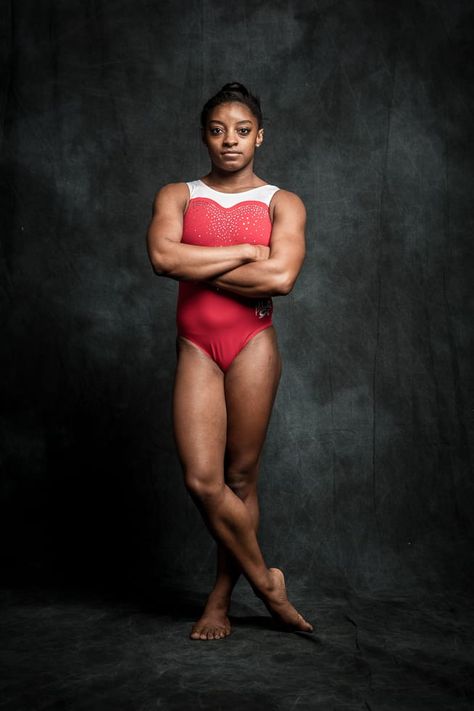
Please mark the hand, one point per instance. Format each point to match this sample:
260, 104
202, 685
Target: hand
261, 252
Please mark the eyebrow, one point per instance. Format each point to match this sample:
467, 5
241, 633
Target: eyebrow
223, 124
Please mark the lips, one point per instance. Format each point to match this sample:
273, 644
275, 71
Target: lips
231, 153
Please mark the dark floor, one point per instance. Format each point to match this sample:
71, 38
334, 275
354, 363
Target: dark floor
88, 651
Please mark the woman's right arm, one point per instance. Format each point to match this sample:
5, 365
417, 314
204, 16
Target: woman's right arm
170, 257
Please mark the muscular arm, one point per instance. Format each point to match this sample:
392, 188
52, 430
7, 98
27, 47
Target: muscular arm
276, 275
169, 257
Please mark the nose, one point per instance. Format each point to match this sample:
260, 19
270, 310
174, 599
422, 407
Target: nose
230, 140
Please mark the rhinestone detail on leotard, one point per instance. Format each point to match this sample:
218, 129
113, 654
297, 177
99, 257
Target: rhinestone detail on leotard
244, 222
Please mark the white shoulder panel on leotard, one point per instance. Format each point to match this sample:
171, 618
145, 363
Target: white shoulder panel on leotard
263, 193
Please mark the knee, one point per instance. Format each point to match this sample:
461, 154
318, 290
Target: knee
242, 478
203, 484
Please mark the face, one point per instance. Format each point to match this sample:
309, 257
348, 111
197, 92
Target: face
232, 135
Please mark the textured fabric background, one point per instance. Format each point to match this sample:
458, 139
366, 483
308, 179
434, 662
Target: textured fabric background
367, 473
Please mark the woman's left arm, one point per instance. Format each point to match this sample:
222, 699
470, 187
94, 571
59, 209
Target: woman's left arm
276, 275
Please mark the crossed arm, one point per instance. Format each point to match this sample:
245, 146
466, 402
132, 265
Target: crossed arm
245, 269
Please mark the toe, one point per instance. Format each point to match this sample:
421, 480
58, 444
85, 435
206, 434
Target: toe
305, 625
209, 631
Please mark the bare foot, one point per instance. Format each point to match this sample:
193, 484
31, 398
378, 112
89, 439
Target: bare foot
280, 607
213, 623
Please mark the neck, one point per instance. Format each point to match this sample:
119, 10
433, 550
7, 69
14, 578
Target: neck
236, 181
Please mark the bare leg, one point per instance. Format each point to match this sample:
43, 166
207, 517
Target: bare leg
250, 393
200, 423
214, 622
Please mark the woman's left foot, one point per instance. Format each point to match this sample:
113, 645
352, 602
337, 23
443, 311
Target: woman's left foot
213, 623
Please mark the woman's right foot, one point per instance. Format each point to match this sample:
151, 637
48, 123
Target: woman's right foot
278, 605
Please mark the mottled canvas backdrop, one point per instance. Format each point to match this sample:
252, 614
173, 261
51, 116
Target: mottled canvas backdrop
367, 472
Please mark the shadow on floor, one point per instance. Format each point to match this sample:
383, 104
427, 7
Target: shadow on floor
83, 650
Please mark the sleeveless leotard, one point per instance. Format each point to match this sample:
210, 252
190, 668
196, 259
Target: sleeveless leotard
221, 323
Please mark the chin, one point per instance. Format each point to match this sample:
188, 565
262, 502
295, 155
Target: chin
231, 167
225, 167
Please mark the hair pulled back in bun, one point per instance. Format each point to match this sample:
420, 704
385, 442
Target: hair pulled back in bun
233, 91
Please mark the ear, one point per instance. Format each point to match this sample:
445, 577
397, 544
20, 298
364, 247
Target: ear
259, 139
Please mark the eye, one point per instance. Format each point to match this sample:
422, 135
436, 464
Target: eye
214, 130
247, 131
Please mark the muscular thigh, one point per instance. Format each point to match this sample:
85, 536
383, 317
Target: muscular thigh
199, 411
250, 387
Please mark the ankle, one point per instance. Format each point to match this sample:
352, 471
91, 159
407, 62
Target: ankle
220, 597
266, 586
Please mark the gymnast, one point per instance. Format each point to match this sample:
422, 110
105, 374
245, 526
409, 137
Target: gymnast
233, 242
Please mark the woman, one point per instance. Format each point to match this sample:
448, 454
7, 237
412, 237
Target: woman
213, 235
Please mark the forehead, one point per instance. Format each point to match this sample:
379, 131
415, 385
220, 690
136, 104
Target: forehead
231, 112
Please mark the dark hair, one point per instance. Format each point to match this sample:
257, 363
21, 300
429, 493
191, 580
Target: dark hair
233, 92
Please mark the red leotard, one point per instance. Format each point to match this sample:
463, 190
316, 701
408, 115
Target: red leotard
219, 322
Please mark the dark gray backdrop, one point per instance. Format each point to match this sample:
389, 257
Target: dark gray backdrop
367, 474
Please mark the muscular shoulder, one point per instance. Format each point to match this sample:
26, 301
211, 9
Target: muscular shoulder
288, 204
285, 198
171, 189
175, 194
